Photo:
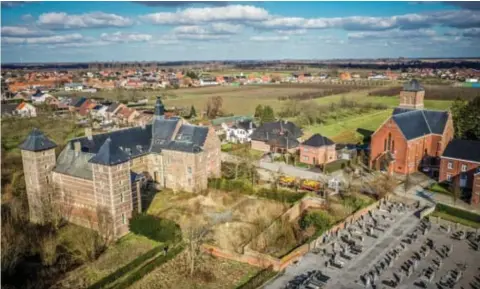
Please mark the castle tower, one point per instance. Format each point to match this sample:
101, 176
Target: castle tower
112, 186
38, 157
412, 95
159, 109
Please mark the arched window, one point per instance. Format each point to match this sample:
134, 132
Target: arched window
385, 145
393, 146
389, 143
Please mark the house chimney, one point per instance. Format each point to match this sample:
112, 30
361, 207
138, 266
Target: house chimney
76, 146
88, 133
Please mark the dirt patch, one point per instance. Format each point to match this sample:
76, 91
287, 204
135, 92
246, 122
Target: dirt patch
234, 218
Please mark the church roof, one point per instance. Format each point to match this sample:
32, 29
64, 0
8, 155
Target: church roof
37, 141
416, 123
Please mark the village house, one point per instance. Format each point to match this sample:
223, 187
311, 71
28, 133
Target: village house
100, 173
278, 137
317, 150
73, 86
460, 165
23, 109
240, 131
412, 138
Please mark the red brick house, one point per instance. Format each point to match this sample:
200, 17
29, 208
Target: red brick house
412, 138
460, 164
317, 150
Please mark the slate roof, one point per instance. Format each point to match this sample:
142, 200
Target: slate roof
37, 141
109, 154
78, 101
245, 124
74, 164
113, 107
416, 123
267, 130
413, 85
318, 140
468, 150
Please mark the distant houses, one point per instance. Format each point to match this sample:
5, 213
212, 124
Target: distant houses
23, 109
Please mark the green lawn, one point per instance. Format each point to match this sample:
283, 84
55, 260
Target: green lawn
394, 101
439, 188
346, 129
455, 219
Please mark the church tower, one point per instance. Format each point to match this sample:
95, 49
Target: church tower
412, 95
38, 157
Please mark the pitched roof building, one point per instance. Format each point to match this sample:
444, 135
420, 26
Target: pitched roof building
96, 171
317, 150
276, 136
412, 138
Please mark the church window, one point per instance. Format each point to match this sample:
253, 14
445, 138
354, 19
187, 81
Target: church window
393, 146
389, 143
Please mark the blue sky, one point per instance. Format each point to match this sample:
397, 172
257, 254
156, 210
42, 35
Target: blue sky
172, 31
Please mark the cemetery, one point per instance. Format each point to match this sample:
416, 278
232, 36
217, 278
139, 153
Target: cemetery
390, 247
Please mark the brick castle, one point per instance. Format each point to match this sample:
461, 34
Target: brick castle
108, 171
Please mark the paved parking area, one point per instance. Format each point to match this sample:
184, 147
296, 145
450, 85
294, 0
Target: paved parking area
394, 242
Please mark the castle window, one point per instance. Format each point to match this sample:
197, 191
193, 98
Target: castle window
122, 197
189, 170
124, 219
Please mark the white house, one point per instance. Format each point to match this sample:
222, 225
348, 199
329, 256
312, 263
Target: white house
73, 86
25, 109
40, 97
239, 132
208, 82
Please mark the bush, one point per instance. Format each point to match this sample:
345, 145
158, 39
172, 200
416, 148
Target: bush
280, 195
336, 165
161, 230
459, 213
321, 220
239, 185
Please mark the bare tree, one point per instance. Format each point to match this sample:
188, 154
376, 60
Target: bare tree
194, 235
384, 185
105, 225
214, 106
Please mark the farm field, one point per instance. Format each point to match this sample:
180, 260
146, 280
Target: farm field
437, 92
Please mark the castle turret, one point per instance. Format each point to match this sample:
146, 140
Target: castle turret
412, 95
112, 185
38, 156
159, 109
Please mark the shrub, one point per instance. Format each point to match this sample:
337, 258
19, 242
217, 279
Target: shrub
161, 230
259, 279
280, 195
321, 220
459, 213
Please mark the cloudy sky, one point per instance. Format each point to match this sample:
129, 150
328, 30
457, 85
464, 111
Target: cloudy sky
170, 31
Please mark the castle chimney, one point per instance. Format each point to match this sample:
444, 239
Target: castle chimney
88, 133
77, 147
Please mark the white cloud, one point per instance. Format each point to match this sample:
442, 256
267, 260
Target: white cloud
397, 33
470, 32
292, 32
44, 40
63, 20
27, 17
125, 37
20, 31
208, 14
226, 28
269, 38
453, 18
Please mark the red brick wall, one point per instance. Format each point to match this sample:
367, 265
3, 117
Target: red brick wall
456, 170
476, 190
400, 145
316, 155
